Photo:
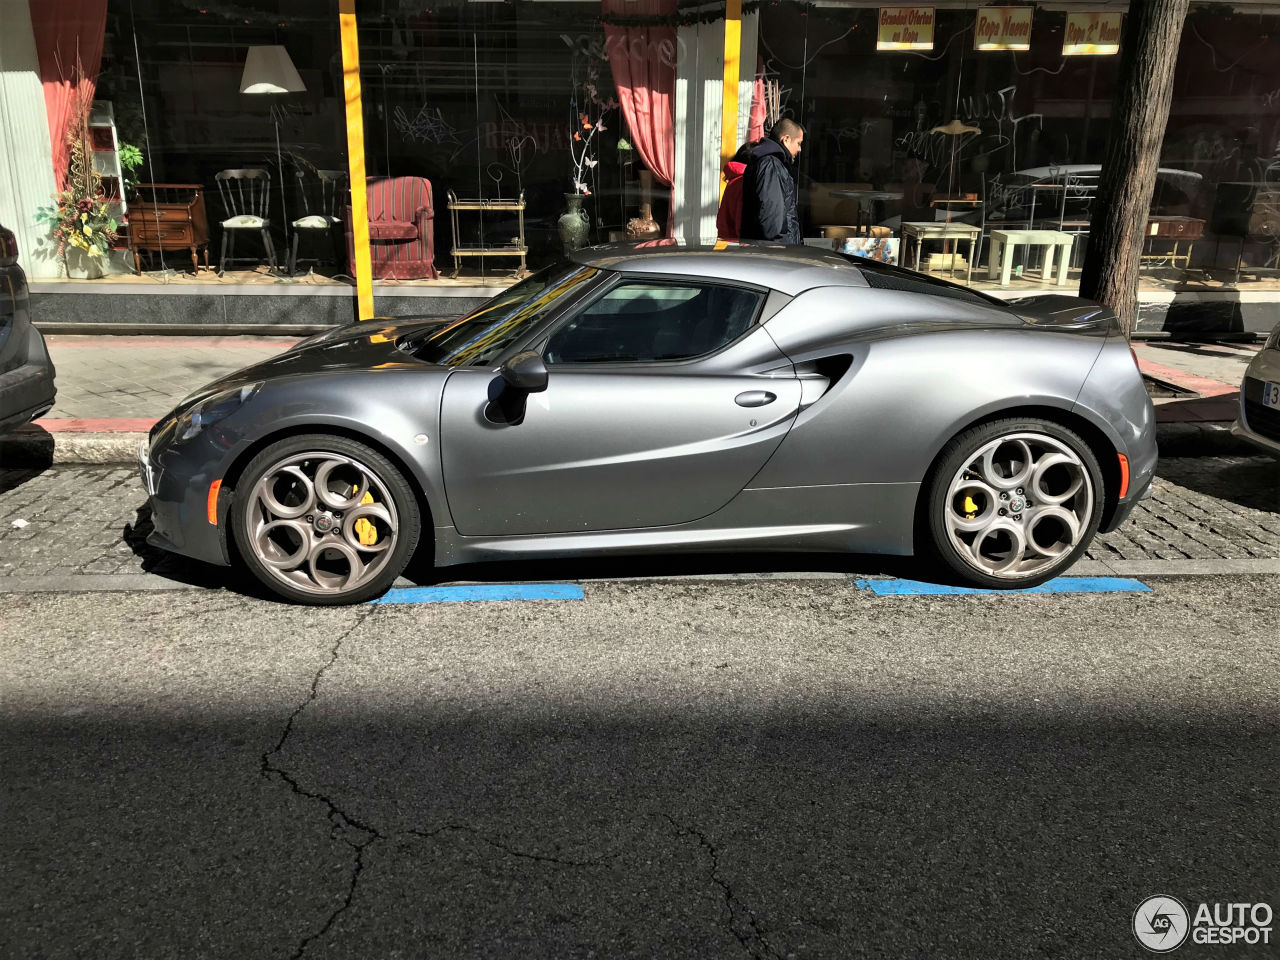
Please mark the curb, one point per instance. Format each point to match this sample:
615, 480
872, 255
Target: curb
32, 446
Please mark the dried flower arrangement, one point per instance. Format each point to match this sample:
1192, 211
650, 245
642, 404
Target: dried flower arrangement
79, 216
579, 145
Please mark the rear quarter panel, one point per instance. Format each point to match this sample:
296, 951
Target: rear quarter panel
923, 368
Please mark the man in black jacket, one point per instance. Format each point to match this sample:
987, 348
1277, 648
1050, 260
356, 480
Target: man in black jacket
769, 188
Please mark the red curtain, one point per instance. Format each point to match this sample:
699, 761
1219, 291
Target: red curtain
755, 126
66, 31
643, 62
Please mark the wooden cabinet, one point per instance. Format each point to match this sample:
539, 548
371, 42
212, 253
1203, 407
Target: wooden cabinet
169, 216
1178, 229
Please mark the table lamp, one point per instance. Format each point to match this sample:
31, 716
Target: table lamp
268, 69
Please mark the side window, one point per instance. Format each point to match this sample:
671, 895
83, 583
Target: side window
638, 322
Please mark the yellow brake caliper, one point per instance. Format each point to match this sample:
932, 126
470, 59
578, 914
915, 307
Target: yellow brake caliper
970, 509
365, 529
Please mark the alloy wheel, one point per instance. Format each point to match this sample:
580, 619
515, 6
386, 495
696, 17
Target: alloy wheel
321, 522
1018, 505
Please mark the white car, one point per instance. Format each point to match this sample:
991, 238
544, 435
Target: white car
1259, 420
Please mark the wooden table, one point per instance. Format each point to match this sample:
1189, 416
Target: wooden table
1004, 241
920, 231
169, 216
1178, 229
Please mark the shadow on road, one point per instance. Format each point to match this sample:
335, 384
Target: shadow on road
669, 565
813, 826
170, 565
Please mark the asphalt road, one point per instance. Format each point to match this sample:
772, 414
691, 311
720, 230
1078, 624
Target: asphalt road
700, 769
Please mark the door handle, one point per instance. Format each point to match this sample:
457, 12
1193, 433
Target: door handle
754, 398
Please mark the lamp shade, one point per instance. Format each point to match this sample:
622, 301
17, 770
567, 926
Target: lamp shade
269, 70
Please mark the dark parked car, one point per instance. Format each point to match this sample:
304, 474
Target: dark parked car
26, 372
653, 400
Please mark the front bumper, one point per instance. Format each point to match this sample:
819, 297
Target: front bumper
1241, 429
179, 500
1259, 424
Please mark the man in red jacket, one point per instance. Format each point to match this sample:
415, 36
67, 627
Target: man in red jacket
729, 217
769, 210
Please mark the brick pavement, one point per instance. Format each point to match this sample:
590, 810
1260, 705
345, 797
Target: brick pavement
101, 377
85, 519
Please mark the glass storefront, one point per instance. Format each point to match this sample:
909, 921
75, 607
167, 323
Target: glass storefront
1014, 138
488, 126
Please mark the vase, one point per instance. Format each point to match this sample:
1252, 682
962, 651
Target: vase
81, 266
644, 227
573, 224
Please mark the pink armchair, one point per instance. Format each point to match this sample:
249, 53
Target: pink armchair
401, 228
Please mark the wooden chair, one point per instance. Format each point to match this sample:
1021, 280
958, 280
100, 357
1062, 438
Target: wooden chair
245, 194
323, 196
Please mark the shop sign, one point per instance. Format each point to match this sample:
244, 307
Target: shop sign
1003, 28
905, 28
1091, 34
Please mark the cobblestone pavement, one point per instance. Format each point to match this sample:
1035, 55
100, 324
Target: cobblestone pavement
92, 520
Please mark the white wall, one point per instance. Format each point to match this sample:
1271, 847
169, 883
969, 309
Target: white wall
699, 101
26, 159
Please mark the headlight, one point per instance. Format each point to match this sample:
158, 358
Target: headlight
1273, 341
212, 409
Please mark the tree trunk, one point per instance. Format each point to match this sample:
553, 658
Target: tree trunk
1139, 112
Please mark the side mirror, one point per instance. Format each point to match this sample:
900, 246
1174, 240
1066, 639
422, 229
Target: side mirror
525, 372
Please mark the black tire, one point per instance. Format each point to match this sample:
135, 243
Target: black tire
976, 563
391, 511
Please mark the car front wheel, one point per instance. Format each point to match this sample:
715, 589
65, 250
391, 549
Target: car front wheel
324, 520
1013, 502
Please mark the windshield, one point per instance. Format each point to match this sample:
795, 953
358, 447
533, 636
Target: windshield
481, 336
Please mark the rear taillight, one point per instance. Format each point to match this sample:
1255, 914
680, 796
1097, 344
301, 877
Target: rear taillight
1134, 353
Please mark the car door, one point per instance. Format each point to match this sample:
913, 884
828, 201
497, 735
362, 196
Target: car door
664, 398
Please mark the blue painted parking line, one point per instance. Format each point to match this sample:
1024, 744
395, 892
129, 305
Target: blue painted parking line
483, 592
896, 588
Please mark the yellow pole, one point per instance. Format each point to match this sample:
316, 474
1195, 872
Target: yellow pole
355, 155
732, 56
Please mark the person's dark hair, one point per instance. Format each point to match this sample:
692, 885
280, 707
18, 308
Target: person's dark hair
744, 152
786, 127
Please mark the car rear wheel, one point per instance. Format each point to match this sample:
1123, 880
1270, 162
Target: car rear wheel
1013, 502
324, 520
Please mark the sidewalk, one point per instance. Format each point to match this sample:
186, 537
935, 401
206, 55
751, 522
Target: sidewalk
112, 389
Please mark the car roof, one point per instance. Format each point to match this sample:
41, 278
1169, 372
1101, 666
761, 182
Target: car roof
789, 269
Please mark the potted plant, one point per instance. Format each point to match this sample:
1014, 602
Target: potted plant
79, 219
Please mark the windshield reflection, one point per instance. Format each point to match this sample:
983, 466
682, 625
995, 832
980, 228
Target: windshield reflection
482, 335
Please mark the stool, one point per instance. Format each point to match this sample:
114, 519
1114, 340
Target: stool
1003, 242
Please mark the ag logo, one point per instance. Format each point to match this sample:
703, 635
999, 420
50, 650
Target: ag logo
1161, 923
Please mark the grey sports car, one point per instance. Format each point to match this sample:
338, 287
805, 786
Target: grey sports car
668, 399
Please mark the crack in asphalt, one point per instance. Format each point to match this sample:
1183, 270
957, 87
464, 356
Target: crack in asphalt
498, 845
732, 903
341, 821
